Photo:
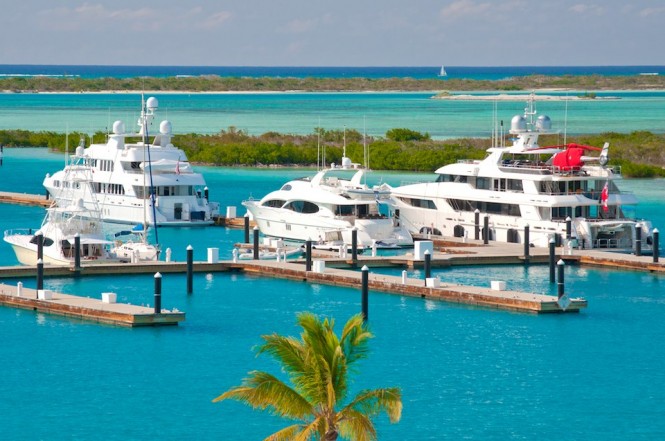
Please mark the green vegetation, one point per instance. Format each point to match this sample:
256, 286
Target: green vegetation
640, 154
213, 83
318, 366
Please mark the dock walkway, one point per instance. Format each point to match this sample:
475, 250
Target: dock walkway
88, 309
24, 199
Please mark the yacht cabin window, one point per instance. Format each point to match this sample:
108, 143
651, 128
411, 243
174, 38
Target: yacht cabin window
302, 207
451, 178
276, 203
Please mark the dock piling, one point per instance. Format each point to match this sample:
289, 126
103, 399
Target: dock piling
246, 228
526, 244
308, 255
190, 269
428, 265
638, 239
256, 243
77, 252
486, 230
477, 224
354, 245
40, 245
158, 293
365, 292
569, 228
656, 250
552, 259
560, 282
40, 274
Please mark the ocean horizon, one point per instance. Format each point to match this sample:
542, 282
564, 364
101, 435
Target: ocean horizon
374, 72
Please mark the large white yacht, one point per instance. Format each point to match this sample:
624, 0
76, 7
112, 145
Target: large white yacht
325, 209
123, 172
526, 184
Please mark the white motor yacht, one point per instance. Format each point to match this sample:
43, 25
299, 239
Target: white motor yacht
526, 184
326, 208
145, 180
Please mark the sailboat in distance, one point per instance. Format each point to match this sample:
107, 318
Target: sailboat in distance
443, 72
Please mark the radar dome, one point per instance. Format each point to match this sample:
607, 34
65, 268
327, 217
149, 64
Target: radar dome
543, 123
152, 103
165, 127
346, 162
518, 124
118, 127
80, 151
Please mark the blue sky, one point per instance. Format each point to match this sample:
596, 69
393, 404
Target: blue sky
339, 33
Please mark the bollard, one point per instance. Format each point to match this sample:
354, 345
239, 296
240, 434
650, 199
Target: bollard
569, 227
404, 277
526, 244
486, 229
308, 255
477, 224
190, 269
373, 248
246, 228
19, 289
354, 244
560, 285
552, 260
206, 193
77, 252
256, 243
168, 254
40, 244
48, 195
40, 274
428, 266
638, 239
656, 250
234, 253
158, 293
365, 292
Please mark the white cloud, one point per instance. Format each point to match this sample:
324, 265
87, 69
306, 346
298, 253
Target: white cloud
582, 8
648, 12
299, 26
464, 7
217, 19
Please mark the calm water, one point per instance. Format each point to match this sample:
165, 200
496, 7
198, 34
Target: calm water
300, 113
465, 373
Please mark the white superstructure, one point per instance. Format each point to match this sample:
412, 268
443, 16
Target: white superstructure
122, 173
526, 184
325, 209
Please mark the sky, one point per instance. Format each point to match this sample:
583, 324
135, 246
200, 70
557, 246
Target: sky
333, 33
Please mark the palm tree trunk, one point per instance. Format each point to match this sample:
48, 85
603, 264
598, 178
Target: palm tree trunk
330, 435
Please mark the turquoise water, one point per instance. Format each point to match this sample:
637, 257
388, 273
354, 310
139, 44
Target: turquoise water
300, 113
465, 373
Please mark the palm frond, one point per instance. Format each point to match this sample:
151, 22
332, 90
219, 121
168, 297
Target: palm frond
286, 434
355, 339
357, 427
262, 390
373, 402
289, 351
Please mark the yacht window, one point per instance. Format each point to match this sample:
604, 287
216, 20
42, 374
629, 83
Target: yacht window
302, 207
344, 210
277, 203
421, 203
451, 178
515, 185
482, 183
286, 187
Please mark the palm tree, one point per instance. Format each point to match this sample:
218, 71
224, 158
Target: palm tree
318, 366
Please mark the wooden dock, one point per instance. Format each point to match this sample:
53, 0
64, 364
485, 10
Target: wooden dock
88, 309
24, 199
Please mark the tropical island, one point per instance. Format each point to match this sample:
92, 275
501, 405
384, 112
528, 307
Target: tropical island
639, 153
218, 84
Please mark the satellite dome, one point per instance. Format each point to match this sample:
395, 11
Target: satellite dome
152, 103
543, 123
118, 127
518, 123
346, 162
165, 127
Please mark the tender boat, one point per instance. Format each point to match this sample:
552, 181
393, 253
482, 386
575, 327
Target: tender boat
123, 171
325, 209
526, 184
136, 248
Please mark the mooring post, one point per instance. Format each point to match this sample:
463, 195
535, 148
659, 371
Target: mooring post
560, 284
40, 275
365, 292
486, 229
526, 244
428, 265
569, 228
552, 259
158, 293
308, 255
40, 245
256, 243
206, 193
354, 245
638, 239
77, 252
190, 269
246, 227
656, 249
477, 224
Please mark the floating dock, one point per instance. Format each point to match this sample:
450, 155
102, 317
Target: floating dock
24, 199
85, 308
